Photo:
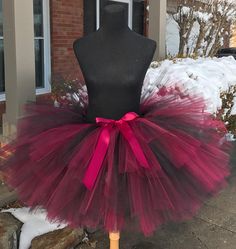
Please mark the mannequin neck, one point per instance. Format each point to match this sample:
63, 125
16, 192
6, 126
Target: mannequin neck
114, 19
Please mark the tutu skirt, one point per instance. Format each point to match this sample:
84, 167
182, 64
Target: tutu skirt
137, 172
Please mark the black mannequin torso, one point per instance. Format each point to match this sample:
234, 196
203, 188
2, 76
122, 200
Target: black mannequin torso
114, 61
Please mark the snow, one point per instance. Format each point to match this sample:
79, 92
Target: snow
199, 17
203, 16
172, 36
233, 111
206, 77
35, 224
186, 10
192, 38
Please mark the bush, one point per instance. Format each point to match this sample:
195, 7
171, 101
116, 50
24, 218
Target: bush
225, 114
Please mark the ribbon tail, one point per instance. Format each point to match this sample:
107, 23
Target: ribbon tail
134, 144
95, 164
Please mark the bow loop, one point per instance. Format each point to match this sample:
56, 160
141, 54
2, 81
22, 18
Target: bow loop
127, 117
101, 148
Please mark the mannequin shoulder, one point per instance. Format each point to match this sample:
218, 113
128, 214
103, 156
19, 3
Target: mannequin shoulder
78, 45
83, 44
151, 43
145, 42
144, 45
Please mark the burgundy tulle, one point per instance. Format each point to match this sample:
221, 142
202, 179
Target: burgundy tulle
183, 145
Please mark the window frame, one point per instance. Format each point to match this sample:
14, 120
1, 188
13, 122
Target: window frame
47, 49
130, 12
47, 53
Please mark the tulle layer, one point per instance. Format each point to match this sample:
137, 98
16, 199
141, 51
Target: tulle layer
183, 148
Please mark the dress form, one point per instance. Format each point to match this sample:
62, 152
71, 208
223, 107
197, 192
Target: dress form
114, 61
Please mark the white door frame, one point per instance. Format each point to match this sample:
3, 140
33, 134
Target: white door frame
47, 52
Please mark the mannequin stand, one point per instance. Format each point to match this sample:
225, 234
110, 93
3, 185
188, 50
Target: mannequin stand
114, 240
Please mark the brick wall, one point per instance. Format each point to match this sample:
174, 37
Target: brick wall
66, 26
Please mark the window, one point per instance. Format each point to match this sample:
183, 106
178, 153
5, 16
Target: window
134, 8
42, 47
39, 42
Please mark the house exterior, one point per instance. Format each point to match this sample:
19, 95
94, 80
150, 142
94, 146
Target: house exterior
56, 24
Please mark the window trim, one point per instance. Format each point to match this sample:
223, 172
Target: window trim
47, 50
47, 53
130, 12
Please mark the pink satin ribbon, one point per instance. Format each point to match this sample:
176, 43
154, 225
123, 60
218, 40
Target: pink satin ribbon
102, 145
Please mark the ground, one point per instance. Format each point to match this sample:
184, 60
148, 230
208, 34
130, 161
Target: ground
214, 227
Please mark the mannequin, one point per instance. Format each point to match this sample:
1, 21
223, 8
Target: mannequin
114, 61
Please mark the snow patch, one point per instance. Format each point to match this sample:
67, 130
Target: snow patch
35, 224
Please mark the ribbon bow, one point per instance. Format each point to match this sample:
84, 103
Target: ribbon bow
95, 164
